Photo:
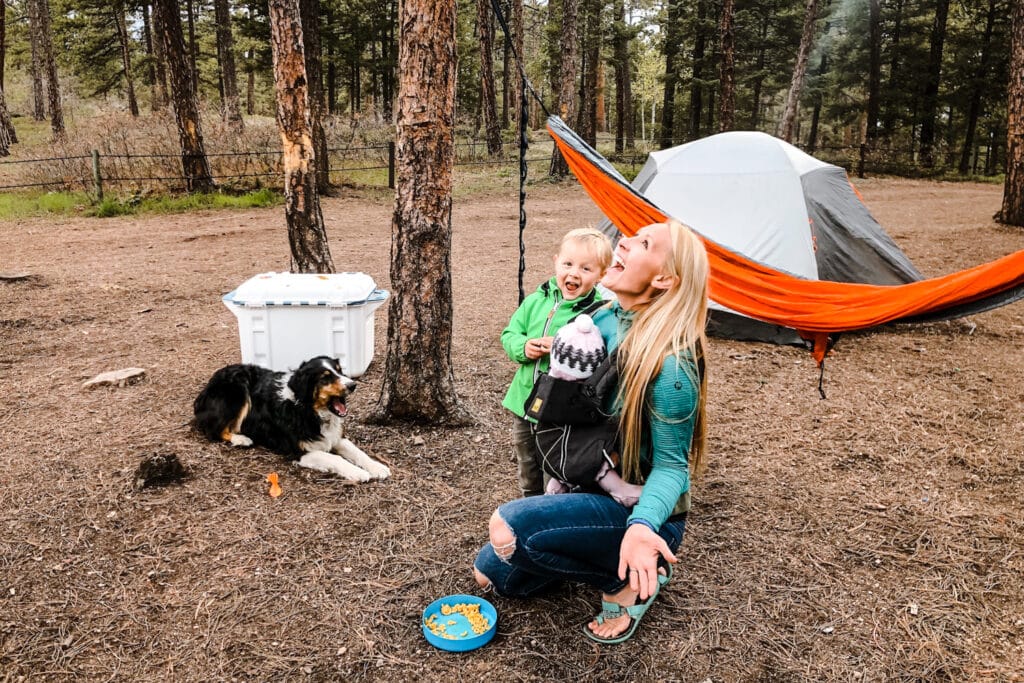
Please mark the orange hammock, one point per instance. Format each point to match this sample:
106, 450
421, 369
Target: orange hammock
815, 308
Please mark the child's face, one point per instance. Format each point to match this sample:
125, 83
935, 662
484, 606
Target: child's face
577, 270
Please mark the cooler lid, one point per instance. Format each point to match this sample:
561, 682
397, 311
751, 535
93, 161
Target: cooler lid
303, 289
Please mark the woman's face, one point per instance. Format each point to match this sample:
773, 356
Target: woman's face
637, 265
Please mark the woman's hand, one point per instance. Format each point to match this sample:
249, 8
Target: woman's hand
638, 557
536, 348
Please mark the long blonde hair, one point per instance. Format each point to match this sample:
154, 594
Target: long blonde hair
671, 324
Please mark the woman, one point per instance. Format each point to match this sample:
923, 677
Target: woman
659, 277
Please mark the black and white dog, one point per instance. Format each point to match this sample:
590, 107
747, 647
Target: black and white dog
298, 415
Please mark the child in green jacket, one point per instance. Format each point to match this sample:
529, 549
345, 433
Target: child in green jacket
583, 257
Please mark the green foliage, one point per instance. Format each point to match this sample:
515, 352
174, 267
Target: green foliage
15, 205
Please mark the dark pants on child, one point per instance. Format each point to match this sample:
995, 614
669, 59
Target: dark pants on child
531, 477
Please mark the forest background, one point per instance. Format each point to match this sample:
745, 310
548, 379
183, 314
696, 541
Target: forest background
915, 87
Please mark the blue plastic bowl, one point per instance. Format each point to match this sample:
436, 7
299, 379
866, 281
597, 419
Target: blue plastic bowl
461, 637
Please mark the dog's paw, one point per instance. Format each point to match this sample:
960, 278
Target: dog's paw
378, 470
240, 440
355, 474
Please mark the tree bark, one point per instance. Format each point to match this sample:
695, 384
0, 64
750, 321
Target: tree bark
488, 104
566, 80
620, 56
586, 124
727, 68
977, 88
874, 70
306, 234
696, 85
5, 126
195, 166
930, 100
36, 63
3, 40
758, 83
671, 51
788, 124
419, 383
50, 67
310, 15
193, 47
230, 109
895, 72
126, 56
516, 26
488, 97
157, 70
1012, 211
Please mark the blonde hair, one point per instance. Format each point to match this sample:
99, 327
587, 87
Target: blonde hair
671, 324
593, 239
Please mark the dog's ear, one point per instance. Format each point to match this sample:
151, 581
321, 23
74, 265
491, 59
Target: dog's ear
303, 384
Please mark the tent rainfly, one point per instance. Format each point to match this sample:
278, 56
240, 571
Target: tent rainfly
761, 197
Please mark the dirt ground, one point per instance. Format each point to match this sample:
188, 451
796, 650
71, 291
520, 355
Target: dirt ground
875, 535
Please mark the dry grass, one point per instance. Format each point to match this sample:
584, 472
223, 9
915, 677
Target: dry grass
875, 535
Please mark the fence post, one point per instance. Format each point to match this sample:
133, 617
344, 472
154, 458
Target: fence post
391, 164
96, 177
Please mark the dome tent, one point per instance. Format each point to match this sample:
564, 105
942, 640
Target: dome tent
761, 197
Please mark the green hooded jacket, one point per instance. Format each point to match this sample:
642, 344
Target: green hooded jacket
540, 315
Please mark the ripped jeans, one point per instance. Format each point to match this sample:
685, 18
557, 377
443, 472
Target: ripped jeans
568, 537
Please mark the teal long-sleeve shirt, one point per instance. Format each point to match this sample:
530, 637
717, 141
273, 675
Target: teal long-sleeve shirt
671, 410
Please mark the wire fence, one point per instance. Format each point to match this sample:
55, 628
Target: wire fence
98, 172
374, 165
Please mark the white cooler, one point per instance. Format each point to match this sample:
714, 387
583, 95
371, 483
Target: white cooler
287, 318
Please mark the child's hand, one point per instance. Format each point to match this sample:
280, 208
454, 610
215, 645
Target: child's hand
536, 348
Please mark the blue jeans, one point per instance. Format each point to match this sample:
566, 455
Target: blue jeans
567, 537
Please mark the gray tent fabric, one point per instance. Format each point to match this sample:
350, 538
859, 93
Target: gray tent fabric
848, 244
851, 245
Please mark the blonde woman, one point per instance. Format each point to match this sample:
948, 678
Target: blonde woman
659, 277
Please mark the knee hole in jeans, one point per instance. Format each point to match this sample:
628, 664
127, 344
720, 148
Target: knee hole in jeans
503, 540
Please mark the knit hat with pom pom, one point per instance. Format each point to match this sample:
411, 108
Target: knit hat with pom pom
577, 350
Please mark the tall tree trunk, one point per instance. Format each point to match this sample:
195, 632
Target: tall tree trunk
812, 138
195, 166
5, 126
193, 46
488, 103
126, 55
758, 82
419, 383
5, 115
620, 52
230, 109
930, 98
874, 70
788, 124
157, 72
50, 68
306, 234
671, 51
3, 41
566, 80
36, 63
696, 86
895, 72
390, 51
1012, 211
977, 87
516, 26
505, 91
727, 68
587, 121
310, 17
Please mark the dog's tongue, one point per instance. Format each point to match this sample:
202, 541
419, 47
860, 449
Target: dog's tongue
338, 407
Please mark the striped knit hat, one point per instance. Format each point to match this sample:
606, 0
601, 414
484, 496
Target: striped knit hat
577, 350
